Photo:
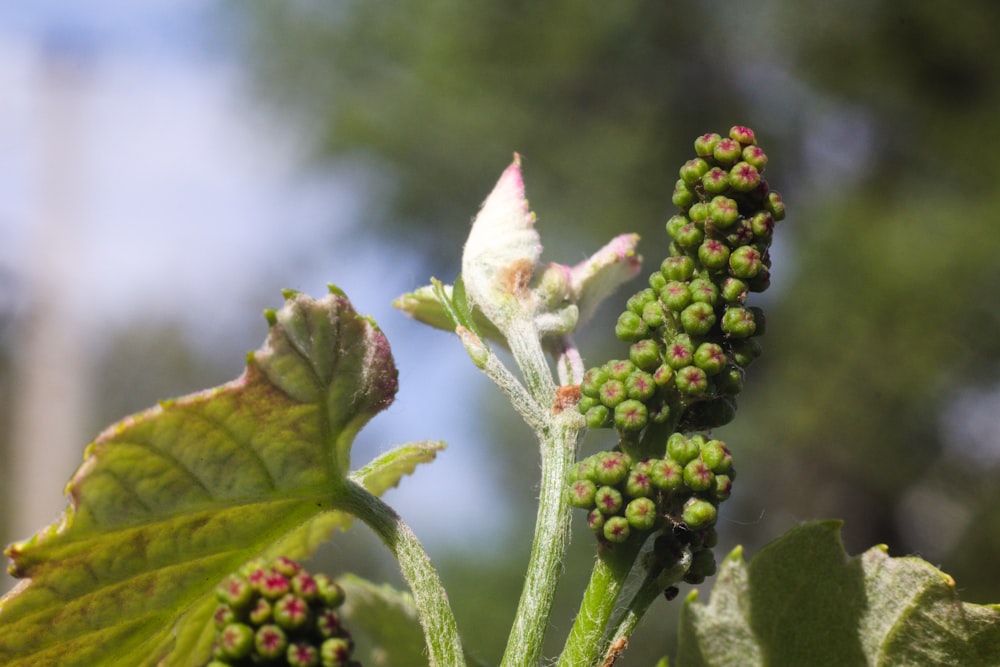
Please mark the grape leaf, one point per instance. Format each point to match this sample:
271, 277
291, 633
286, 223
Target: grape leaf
170, 500
803, 601
384, 622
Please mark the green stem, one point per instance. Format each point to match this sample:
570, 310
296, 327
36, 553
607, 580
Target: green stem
585, 644
444, 646
651, 587
524, 646
558, 437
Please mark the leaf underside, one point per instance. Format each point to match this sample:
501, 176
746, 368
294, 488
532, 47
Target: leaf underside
803, 601
170, 500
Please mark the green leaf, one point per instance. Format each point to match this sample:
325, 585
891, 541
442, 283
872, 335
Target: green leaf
803, 601
170, 500
384, 621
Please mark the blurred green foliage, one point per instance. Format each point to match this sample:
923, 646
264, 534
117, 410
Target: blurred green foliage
879, 119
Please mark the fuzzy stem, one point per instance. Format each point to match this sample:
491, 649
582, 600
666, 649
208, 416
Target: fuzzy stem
558, 440
444, 646
585, 644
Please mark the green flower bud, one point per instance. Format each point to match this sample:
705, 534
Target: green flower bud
698, 476
592, 381
616, 529
582, 493
595, 520
645, 354
305, 586
291, 612
727, 151
335, 652
599, 416
659, 412
639, 484
698, 513
698, 318
745, 262
745, 351
657, 281
722, 487
585, 469
739, 234
683, 195
261, 613
714, 254
762, 225
704, 291
653, 315
775, 206
585, 403
619, 369
742, 134
638, 301
640, 386
631, 327
697, 213
705, 145
223, 616
734, 290
761, 281
730, 381
641, 514
755, 156
273, 585
613, 391
723, 211
631, 415
675, 223
710, 358
663, 375
234, 642
682, 449
717, 456
286, 566
270, 641
715, 181
235, 591
709, 538
301, 654
691, 380
330, 591
692, 171
666, 474
677, 268
744, 177
608, 500
612, 468
689, 236
679, 353
676, 295
738, 322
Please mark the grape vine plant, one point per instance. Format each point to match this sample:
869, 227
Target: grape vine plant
187, 522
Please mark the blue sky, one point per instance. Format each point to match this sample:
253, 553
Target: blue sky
188, 202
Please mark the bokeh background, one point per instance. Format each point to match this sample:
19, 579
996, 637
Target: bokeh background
166, 169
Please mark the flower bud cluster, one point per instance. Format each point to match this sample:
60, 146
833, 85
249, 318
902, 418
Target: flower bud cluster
692, 336
691, 331
678, 492
277, 613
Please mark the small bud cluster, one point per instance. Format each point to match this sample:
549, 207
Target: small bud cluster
692, 336
276, 613
678, 493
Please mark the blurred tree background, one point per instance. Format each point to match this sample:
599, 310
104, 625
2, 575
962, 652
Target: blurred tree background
877, 398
